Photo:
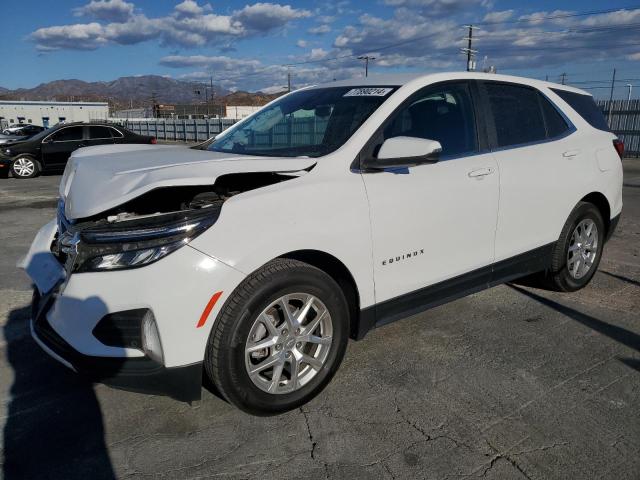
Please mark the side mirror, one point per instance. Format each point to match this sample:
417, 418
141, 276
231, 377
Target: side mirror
402, 152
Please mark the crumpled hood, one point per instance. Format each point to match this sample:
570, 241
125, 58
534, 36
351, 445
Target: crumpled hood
99, 178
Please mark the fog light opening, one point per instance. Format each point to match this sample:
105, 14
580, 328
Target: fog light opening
151, 338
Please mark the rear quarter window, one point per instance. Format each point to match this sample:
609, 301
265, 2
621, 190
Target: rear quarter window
585, 106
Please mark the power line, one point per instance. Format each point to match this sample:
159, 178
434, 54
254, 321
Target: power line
567, 15
564, 32
469, 54
568, 48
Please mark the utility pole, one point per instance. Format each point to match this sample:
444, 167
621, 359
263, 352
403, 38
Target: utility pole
288, 78
630, 87
563, 78
154, 106
471, 53
206, 97
366, 59
613, 84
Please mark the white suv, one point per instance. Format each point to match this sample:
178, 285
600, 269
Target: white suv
333, 210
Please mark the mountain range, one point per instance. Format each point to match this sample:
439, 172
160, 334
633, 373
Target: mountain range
135, 91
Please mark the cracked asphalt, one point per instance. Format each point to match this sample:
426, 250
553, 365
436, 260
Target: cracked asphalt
509, 383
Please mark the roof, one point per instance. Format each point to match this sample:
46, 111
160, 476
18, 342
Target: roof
397, 80
48, 103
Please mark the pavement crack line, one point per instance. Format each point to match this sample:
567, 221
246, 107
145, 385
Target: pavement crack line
504, 455
546, 392
428, 436
314, 444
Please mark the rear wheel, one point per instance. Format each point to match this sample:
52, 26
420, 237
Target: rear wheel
577, 253
279, 338
25, 167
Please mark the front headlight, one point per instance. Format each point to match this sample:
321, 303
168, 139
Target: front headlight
131, 243
131, 258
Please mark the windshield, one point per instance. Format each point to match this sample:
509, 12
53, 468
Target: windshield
309, 123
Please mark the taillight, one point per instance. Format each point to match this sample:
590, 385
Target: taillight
619, 146
154, 140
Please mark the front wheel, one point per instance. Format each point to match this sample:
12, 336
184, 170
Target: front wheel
279, 338
25, 167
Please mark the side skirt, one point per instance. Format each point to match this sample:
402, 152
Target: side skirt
446, 291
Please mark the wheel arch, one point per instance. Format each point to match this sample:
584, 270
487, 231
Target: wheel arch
337, 270
602, 204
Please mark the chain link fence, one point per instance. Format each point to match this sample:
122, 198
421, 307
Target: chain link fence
623, 117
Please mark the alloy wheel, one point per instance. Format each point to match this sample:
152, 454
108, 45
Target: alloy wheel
583, 248
288, 343
24, 167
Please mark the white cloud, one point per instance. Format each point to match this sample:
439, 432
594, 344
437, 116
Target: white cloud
190, 8
500, 16
318, 54
435, 7
188, 25
302, 43
214, 62
88, 36
320, 29
262, 17
109, 10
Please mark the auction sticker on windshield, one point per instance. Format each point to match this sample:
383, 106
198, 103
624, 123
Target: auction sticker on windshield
368, 92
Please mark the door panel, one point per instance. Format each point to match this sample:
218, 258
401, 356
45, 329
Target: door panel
57, 149
433, 222
538, 188
540, 167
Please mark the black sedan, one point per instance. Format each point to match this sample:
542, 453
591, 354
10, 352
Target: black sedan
50, 149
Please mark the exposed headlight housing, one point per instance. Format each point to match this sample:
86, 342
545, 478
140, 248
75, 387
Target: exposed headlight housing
129, 243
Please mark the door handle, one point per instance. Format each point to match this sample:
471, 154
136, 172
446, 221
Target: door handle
571, 153
480, 172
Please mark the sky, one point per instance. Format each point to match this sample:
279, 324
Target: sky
247, 45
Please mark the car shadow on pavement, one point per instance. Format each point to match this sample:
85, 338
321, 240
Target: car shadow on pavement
619, 334
622, 278
54, 425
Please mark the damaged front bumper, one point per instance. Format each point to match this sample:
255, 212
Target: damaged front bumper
138, 374
68, 308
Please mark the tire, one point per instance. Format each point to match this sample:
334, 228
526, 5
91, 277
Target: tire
25, 166
562, 276
243, 320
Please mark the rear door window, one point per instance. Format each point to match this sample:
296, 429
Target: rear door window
585, 106
516, 113
97, 132
68, 134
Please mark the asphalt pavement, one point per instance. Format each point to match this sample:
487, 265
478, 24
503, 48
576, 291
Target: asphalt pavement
509, 383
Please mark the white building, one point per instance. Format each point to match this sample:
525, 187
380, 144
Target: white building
240, 112
48, 114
